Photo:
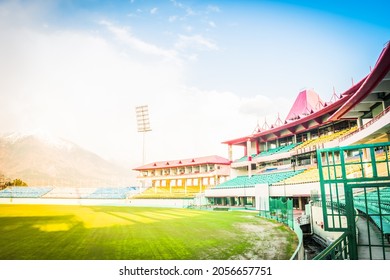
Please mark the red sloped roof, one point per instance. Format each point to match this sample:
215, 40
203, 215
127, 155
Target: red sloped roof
324, 110
306, 102
382, 67
185, 162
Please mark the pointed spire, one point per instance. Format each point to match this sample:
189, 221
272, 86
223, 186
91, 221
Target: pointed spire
257, 128
265, 125
278, 122
334, 97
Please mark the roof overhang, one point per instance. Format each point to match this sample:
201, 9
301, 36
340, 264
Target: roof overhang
378, 81
184, 162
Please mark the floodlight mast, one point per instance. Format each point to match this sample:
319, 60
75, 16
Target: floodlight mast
143, 124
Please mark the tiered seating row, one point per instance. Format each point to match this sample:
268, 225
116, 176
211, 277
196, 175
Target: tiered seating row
244, 158
25, 192
312, 174
246, 181
374, 208
325, 138
281, 149
111, 193
307, 176
278, 150
167, 192
67, 192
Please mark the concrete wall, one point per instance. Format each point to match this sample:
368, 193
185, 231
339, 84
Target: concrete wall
318, 222
294, 190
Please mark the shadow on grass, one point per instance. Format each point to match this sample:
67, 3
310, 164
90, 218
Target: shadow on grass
172, 235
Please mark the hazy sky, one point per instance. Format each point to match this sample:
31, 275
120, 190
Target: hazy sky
209, 70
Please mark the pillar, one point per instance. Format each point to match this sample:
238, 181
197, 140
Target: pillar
168, 184
230, 152
359, 122
312, 158
367, 158
249, 153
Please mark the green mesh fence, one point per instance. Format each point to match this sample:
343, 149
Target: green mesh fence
281, 210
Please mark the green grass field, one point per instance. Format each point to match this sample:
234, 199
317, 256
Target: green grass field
56, 232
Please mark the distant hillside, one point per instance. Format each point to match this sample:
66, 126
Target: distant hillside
45, 160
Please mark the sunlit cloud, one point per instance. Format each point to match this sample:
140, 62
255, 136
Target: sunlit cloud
83, 81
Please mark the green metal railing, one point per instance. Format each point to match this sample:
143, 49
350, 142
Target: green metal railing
338, 250
357, 177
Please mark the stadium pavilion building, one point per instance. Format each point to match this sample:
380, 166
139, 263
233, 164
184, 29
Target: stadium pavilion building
182, 178
280, 160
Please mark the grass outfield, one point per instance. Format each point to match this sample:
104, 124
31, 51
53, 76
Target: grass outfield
59, 232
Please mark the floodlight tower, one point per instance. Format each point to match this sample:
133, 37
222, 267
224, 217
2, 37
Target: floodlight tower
143, 125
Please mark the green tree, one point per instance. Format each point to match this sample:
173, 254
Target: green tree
16, 182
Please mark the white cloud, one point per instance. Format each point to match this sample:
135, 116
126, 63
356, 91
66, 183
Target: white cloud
77, 85
153, 11
172, 18
123, 34
195, 42
188, 28
212, 24
176, 3
213, 8
190, 12
84, 86
261, 107
196, 123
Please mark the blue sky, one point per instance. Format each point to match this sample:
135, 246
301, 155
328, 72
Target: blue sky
209, 70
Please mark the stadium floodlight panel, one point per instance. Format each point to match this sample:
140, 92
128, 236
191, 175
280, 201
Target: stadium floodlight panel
143, 122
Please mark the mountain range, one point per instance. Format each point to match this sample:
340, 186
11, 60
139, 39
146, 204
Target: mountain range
43, 160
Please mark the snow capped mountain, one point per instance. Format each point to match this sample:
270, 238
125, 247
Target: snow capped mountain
43, 159
43, 136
